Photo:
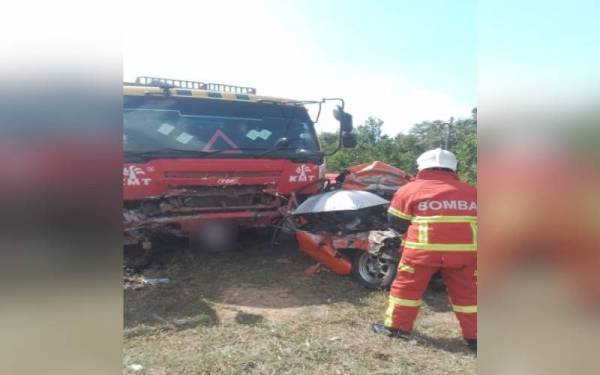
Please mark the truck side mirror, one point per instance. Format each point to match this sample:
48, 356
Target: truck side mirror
345, 119
348, 140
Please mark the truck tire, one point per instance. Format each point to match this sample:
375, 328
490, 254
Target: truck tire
372, 272
136, 257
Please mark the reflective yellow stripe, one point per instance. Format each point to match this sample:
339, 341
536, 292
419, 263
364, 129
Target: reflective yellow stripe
388, 315
393, 302
404, 302
423, 229
440, 246
399, 214
465, 309
423, 232
405, 268
445, 219
475, 273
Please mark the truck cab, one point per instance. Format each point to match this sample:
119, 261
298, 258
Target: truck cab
204, 158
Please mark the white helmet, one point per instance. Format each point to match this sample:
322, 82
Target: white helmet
437, 158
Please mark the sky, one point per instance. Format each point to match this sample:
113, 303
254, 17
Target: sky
402, 61
546, 48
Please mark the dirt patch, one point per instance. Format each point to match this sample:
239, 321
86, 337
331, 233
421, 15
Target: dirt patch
276, 297
274, 304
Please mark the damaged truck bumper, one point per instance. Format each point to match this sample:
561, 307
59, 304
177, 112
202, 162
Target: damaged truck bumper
182, 212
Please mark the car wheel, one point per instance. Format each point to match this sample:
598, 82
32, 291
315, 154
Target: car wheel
373, 272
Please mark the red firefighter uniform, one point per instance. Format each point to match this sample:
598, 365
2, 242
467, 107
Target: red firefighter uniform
442, 235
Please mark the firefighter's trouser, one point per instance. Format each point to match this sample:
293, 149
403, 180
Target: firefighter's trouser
410, 284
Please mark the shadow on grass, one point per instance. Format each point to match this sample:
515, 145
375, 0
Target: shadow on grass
437, 301
451, 345
248, 319
169, 307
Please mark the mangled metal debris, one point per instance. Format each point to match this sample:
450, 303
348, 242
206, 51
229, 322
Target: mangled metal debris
185, 212
375, 177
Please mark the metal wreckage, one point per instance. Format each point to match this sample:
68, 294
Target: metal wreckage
345, 229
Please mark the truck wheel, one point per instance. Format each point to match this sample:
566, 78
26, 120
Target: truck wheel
372, 272
136, 257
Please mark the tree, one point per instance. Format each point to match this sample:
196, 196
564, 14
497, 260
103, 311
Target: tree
402, 150
465, 148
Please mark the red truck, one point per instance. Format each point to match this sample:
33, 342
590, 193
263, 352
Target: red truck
203, 159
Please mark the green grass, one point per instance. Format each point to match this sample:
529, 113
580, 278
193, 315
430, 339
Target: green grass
254, 312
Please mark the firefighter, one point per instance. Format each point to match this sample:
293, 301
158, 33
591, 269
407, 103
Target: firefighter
438, 215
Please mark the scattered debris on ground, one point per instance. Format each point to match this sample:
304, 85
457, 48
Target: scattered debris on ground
155, 281
135, 367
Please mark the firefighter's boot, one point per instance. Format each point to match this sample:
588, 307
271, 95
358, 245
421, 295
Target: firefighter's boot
472, 344
381, 329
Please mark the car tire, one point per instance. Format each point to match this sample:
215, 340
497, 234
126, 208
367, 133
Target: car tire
372, 272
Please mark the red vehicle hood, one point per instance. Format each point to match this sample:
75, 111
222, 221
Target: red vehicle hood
156, 177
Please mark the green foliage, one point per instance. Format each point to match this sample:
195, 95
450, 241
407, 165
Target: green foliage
402, 150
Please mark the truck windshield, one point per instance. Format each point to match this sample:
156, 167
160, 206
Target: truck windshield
207, 126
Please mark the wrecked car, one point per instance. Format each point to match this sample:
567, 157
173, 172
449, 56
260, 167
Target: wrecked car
347, 232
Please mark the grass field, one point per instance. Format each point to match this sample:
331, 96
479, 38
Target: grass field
253, 311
